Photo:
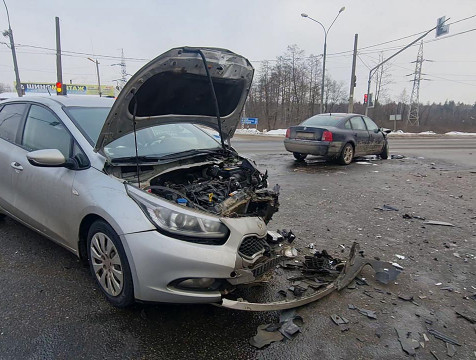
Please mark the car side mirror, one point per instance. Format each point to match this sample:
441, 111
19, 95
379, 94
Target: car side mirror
49, 158
376, 130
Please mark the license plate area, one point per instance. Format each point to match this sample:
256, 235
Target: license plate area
305, 135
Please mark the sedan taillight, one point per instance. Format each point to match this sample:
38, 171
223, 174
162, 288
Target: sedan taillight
326, 136
288, 133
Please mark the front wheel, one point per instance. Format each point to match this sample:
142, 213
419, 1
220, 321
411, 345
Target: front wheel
299, 156
109, 265
384, 153
346, 155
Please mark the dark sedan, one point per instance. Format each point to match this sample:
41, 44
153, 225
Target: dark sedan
338, 137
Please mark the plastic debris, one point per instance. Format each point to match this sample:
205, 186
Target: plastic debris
441, 223
468, 317
264, 337
369, 313
450, 350
405, 297
401, 257
408, 343
441, 336
410, 216
387, 208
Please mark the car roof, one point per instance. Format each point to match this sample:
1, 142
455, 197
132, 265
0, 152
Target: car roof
68, 100
342, 115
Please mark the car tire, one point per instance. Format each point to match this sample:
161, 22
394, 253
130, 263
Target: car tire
108, 263
299, 156
384, 153
346, 155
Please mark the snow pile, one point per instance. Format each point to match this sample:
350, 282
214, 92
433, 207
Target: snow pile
277, 132
460, 133
427, 133
248, 131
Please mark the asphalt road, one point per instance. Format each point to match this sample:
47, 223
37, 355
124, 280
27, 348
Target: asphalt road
51, 309
454, 149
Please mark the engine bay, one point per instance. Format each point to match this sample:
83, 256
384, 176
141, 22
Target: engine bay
225, 185
233, 187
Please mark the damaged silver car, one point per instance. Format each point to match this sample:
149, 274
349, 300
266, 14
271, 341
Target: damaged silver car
161, 210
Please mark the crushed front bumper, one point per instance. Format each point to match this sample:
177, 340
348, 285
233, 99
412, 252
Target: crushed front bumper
385, 273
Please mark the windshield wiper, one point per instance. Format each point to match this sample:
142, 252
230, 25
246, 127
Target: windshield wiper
126, 159
191, 152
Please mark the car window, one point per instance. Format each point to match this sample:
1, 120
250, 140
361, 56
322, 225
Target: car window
322, 120
10, 118
358, 123
43, 130
347, 125
371, 126
162, 140
89, 120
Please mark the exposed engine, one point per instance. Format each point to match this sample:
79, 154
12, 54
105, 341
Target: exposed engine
235, 188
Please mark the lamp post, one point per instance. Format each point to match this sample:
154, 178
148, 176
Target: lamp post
97, 71
326, 31
9, 33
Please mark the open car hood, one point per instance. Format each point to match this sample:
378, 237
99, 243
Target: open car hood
174, 88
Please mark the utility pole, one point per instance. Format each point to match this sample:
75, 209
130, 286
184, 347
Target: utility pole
97, 72
413, 113
9, 33
353, 79
59, 69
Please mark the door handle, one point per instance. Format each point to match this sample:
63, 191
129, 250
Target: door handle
16, 166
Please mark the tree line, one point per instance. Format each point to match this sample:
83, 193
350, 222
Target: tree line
288, 90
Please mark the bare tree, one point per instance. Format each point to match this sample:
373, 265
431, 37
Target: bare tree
5, 88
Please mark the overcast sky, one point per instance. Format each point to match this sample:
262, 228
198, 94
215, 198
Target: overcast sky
258, 29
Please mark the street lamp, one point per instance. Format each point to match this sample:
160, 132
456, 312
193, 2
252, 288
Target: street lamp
321, 107
9, 33
97, 71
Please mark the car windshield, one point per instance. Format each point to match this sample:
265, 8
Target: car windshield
320, 120
154, 141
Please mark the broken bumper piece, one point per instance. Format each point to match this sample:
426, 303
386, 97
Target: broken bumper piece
385, 273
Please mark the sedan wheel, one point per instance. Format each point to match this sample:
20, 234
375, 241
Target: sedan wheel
109, 265
299, 156
346, 155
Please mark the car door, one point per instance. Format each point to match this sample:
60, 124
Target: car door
11, 116
361, 136
43, 194
376, 136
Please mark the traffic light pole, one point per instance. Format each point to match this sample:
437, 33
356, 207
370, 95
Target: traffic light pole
59, 69
391, 57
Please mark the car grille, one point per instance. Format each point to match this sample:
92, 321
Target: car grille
252, 246
264, 267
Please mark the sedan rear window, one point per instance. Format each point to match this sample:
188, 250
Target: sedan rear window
321, 120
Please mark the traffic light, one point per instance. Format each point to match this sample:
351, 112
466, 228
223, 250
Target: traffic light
366, 99
59, 88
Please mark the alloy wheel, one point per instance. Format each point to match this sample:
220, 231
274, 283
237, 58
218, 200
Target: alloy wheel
348, 154
106, 264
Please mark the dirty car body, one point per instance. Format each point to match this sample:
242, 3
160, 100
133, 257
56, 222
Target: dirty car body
162, 211
326, 135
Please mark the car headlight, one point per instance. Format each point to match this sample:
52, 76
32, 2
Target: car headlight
178, 221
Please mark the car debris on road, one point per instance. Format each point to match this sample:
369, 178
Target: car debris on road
385, 272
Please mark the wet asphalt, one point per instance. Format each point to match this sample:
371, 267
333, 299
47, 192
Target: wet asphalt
50, 307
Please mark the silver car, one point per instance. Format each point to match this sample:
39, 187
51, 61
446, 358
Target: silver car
161, 210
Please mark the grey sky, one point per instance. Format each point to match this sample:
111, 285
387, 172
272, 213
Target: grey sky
259, 30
